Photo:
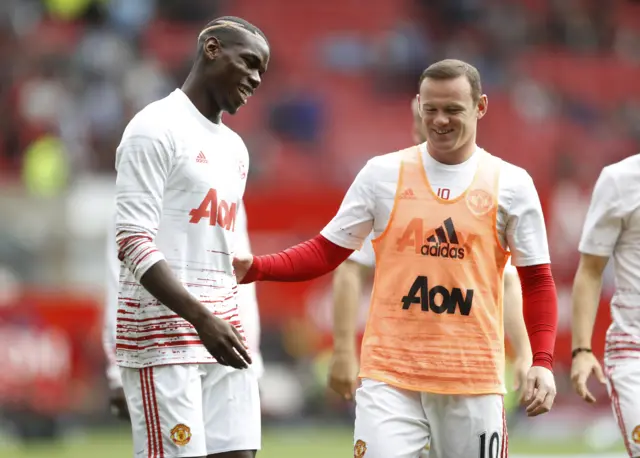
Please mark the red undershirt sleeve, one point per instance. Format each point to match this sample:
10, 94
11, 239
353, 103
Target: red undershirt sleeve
305, 261
540, 309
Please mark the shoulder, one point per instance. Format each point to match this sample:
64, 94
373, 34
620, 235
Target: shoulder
626, 170
619, 184
384, 167
234, 139
513, 178
155, 121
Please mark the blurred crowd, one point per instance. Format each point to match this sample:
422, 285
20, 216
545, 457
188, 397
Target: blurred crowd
75, 71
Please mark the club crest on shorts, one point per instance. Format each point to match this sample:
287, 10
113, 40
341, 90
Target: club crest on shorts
479, 201
359, 449
635, 435
181, 434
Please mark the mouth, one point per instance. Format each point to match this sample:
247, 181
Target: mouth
442, 131
245, 92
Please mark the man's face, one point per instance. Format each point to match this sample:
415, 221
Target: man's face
236, 70
449, 114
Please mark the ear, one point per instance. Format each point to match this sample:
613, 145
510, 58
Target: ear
419, 105
483, 105
211, 48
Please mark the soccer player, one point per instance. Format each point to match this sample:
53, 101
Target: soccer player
611, 229
247, 307
432, 358
181, 174
347, 286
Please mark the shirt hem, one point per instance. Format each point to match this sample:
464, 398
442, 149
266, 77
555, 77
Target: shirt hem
406, 386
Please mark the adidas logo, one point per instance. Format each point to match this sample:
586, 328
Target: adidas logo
444, 243
201, 158
407, 194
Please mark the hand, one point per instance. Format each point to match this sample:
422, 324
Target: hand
343, 373
118, 403
241, 264
520, 367
223, 341
540, 391
583, 365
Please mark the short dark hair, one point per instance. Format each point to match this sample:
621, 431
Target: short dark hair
453, 68
226, 24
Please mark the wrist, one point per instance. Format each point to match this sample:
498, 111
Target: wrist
344, 348
254, 273
543, 360
579, 350
523, 353
198, 314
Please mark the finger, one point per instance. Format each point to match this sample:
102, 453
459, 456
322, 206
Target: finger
590, 398
240, 349
340, 387
221, 360
528, 392
545, 406
537, 401
232, 358
582, 390
347, 392
580, 383
235, 352
521, 394
242, 341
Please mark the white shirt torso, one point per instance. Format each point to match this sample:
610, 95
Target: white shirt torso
612, 228
179, 183
247, 303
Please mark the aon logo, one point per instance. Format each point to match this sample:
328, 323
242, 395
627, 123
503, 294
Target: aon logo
438, 299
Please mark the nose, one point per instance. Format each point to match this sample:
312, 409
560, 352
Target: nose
440, 119
255, 80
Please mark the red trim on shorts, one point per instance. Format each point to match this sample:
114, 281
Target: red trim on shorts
151, 414
615, 401
145, 405
156, 412
504, 449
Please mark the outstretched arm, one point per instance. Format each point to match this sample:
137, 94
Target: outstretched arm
326, 251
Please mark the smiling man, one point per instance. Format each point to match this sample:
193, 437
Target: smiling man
445, 215
181, 175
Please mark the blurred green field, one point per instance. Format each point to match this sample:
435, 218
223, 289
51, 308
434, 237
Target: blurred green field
280, 443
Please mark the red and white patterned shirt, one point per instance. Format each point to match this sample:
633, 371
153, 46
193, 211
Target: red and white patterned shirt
180, 180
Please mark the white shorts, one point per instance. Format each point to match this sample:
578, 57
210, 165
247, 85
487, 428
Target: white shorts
396, 423
623, 384
192, 410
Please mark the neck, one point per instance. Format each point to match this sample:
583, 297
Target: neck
453, 157
194, 88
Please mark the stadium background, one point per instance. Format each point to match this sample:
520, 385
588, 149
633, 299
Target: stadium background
563, 79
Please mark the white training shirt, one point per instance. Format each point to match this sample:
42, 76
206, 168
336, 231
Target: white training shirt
247, 303
612, 228
180, 179
367, 205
